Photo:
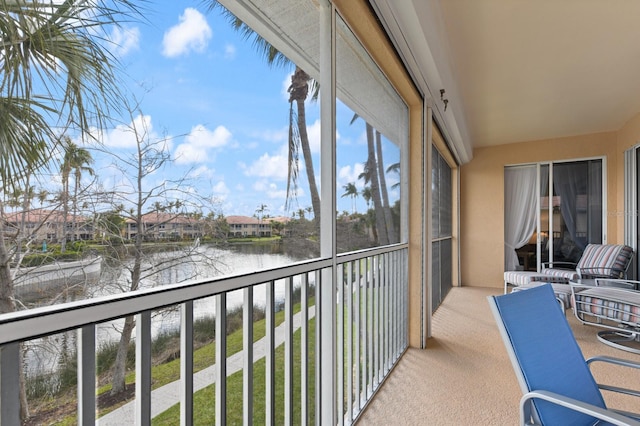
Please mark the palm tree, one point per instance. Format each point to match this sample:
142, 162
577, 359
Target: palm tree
371, 176
298, 93
350, 190
395, 167
260, 211
366, 194
75, 160
382, 207
47, 47
391, 231
56, 73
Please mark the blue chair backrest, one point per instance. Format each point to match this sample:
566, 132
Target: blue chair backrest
545, 353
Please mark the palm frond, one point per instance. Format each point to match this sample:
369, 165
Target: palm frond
55, 71
24, 136
272, 56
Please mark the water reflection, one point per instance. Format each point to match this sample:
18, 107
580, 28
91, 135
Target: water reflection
45, 354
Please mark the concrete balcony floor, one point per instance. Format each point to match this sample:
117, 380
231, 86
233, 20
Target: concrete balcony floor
465, 376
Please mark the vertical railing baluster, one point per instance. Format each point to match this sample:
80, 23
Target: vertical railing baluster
247, 367
382, 320
405, 291
395, 305
370, 291
318, 361
387, 318
400, 303
376, 321
304, 349
87, 375
221, 359
186, 363
391, 309
358, 330
349, 340
340, 343
143, 368
363, 331
9, 383
288, 351
398, 286
270, 359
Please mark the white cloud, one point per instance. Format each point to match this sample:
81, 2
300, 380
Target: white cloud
286, 83
199, 142
313, 131
268, 166
220, 189
191, 34
229, 51
126, 135
280, 135
124, 40
349, 174
270, 189
202, 172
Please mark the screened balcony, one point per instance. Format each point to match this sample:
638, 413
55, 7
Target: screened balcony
355, 338
464, 376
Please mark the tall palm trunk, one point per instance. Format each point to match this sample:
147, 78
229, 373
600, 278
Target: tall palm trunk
298, 92
74, 225
65, 211
391, 231
383, 237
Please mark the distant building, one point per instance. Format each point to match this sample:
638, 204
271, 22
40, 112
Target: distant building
161, 226
279, 225
247, 226
49, 225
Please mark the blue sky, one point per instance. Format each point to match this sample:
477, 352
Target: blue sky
224, 113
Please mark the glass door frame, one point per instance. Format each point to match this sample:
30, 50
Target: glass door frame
538, 232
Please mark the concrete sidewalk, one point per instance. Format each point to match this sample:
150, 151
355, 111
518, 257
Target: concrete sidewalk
168, 395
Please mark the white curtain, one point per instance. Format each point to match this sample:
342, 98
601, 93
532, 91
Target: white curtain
520, 194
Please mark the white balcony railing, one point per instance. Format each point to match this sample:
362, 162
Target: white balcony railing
370, 332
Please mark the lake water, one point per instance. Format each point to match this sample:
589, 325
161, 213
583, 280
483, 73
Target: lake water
43, 354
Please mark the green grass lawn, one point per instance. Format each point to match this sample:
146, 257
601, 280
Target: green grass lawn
204, 400
205, 357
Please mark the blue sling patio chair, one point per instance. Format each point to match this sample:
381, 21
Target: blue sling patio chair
557, 384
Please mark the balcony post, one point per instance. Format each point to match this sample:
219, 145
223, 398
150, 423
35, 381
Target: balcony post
325, 320
10, 384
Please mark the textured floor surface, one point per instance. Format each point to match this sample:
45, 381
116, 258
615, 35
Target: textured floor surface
465, 377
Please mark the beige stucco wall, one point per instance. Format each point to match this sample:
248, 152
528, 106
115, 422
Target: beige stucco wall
482, 196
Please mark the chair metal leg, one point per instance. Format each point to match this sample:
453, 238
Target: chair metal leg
624, 339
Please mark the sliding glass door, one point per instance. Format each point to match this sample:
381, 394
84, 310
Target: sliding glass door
569, 200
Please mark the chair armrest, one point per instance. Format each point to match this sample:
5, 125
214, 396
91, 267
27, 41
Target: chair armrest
613, 360
560, 265
618, 282
600, 272
620, 362
573, 404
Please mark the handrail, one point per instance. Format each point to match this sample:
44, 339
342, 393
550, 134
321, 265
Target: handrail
46, 320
